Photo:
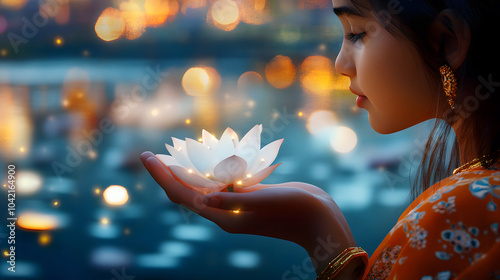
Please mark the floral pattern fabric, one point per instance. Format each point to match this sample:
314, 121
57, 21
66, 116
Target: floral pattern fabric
451, 231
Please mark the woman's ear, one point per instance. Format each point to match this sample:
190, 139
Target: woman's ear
450, 37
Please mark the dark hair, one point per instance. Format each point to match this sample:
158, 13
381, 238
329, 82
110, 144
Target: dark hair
477, 101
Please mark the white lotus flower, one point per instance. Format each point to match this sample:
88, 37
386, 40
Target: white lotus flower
213, 164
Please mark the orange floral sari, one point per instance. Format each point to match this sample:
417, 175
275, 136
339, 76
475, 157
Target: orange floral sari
451, 231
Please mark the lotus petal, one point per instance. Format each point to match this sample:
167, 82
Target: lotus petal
249, 146
195, 180
225, 147
257, 177
208, 139
179, 145
180, 157
200, 155
168, 160
230, 170
267, 155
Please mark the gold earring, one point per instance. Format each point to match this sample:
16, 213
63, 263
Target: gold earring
449, 84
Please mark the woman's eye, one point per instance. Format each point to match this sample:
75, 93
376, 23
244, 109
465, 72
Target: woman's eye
355, 37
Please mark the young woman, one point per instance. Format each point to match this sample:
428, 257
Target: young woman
409, 61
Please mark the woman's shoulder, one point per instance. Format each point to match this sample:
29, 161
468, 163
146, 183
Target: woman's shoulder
468, 188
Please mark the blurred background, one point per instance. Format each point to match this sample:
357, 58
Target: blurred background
86, 86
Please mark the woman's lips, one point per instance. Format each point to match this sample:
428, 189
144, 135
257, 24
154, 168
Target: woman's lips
361, 99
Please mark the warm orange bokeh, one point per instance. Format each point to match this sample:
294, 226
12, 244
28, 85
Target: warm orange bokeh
280, 72
37, 221
201, 81
110, 25
13, 4
317, 75
224, 14
249, 79
255, 12
135, 19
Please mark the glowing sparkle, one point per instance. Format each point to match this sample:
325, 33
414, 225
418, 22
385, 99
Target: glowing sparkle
97, 190
104, 221
56, 203
249, 175
58, 41
200, 140
5, 253
44, 239
236, 211
239, 182
190, 170
22, 149
188, 121
300, 114
207, 175
115, 195
92, 154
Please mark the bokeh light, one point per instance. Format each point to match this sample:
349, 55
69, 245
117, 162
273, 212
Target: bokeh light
249, 79
280, 72
13, 4
343, 139
28, 182
115, 195
225, 14
157, 12
317, 75
201, 81
321, 120
38, 221
135, 19
44, 239
110, 25
3, 24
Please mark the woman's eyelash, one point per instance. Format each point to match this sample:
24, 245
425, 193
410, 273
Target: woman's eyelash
355, 37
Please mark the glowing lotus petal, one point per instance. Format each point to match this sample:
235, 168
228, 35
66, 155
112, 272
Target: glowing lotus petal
267, 155
213, 164
208, 139
225, 147
194, 179
257, 177
231, 170
180, 156
168, 160
201, 157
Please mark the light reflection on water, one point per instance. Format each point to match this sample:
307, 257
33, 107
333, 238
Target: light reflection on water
149, 232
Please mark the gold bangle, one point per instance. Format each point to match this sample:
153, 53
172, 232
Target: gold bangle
337, 264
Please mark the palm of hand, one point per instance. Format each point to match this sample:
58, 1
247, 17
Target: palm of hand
293, 211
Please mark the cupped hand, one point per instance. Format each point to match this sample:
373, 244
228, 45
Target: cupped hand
297, 212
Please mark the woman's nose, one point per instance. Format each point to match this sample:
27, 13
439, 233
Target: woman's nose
344, 63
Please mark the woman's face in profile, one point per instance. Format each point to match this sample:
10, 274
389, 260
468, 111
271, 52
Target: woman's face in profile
386, 70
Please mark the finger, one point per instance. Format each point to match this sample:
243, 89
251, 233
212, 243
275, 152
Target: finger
232, 221
266, 199
145, 156
174, 189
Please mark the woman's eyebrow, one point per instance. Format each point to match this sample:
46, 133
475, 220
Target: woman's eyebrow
346, 11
